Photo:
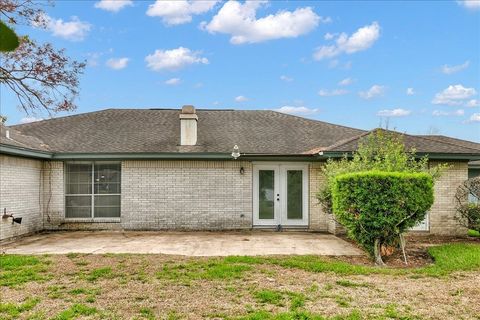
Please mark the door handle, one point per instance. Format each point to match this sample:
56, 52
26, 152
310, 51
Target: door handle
278, 197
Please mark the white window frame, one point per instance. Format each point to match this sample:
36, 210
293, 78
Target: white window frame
92, 217
423, 225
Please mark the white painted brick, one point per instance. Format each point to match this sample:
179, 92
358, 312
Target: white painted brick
189, 195
20, 194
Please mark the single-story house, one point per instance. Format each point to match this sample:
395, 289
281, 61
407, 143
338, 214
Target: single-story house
162, 169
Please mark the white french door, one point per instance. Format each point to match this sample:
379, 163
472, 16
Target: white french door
280, 195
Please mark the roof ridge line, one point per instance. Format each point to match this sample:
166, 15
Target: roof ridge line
62, 117
345, 141
313, 120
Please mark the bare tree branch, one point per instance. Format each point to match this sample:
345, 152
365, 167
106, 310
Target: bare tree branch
41, 77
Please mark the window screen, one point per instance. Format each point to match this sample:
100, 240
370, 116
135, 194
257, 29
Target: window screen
92, 190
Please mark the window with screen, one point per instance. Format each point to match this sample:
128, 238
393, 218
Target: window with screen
92, 189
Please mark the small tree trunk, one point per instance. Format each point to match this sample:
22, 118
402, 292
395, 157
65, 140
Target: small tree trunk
402, 244
377, 253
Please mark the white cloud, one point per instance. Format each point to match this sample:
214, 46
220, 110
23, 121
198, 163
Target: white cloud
475, 117
410, 92
296, 110
286, 78
113, 5
440, 113
394, 113
73, 30
117, 63
93, 58
346, 82
454, 95
329, 36
361, 40
454, 69
30, 119
172, 81
239, 20
331, 93
174, 59
470, 4
473, 103
179, 11
374, 91
241, 99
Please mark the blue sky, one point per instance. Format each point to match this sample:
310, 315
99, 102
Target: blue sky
412, 64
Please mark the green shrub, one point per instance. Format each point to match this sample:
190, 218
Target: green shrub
467, 200
377, 207
380, 150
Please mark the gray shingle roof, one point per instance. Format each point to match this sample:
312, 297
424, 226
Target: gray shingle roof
158, 130
18, 139
465, 143
422, 144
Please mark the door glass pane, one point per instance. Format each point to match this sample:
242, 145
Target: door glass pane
78, 206
266, 194
294, 194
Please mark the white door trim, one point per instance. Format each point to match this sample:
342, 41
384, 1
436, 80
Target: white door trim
280, 186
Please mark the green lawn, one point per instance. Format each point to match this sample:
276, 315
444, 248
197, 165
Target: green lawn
77, 286
473, 233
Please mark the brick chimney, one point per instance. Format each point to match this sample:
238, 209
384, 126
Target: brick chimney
188, 126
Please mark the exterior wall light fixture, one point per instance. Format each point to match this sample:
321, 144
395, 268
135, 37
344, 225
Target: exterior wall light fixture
235, 152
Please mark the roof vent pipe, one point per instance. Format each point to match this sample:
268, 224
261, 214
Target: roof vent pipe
188, 126
7, 134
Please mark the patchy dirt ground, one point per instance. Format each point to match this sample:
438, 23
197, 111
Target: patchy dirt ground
416, 250
172, 287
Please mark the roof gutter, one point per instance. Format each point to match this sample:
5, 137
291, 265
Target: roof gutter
434, 156
143, 156
321, 156
277, 157
36, 154
25, 152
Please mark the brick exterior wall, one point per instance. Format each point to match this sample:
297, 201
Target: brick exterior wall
20, 193
442, 213
190, 195
182, 195
54, 203
318, 218
53, 195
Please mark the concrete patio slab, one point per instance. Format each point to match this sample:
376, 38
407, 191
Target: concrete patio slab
183, 243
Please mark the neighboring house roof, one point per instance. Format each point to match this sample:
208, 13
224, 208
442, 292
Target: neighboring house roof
18, 139
422, 144
465, 143
158, 130
256, 132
